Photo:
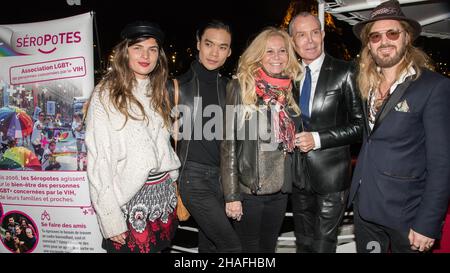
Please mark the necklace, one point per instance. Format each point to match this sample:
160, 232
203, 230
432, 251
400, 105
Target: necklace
376, 100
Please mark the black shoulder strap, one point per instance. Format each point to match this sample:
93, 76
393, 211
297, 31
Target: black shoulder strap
176, 97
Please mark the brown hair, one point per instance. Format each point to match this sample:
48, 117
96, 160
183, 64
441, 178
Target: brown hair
120, 80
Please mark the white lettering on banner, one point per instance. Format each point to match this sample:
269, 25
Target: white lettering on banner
73, 2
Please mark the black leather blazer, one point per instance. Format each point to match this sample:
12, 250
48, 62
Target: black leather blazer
251, 164
189, 89
336, 115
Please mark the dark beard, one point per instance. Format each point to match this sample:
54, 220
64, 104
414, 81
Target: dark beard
390, 61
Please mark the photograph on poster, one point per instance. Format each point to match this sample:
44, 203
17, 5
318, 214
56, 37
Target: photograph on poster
41, 126
46, 77
18, 232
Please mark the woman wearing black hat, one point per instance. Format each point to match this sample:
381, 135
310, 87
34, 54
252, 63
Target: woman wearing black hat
131, 165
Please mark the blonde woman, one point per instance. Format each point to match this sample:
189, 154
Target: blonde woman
259, 140
131, 164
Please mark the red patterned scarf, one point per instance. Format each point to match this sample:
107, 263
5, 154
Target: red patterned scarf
273, 92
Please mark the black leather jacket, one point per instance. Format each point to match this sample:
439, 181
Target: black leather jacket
248, 165
336, 115
188, 89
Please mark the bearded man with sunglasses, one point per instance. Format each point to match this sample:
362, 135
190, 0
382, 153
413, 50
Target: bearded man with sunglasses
401, 183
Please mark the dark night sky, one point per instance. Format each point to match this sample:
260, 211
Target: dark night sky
180, 19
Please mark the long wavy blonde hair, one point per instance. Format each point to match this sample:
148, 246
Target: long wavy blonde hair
369, 76
250, 62
120, 80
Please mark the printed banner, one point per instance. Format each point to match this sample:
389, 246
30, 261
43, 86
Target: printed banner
46, 77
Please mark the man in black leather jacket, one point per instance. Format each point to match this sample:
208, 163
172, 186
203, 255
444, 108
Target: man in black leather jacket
201, 97
332, 118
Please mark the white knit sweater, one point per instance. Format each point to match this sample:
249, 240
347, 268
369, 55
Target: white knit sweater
121, 157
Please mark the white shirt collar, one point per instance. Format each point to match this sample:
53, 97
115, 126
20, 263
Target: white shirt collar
316, 64
410, 71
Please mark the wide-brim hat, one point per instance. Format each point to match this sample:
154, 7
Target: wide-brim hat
389, 10
140, 29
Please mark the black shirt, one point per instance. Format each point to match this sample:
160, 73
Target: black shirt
201, 150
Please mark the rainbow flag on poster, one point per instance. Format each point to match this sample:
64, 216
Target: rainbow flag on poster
5, 51
5, 43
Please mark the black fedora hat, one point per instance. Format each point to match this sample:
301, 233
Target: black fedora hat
389, 10
139, 29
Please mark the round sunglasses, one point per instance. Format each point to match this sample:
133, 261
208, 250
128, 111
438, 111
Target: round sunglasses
391, 34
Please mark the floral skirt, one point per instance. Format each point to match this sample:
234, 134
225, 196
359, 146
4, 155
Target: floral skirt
151, 218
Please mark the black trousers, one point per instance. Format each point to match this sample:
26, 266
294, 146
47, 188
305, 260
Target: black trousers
261, 222
317, 218
202, 194
374, 238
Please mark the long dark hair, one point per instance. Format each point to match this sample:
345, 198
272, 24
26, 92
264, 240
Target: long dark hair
120, 80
